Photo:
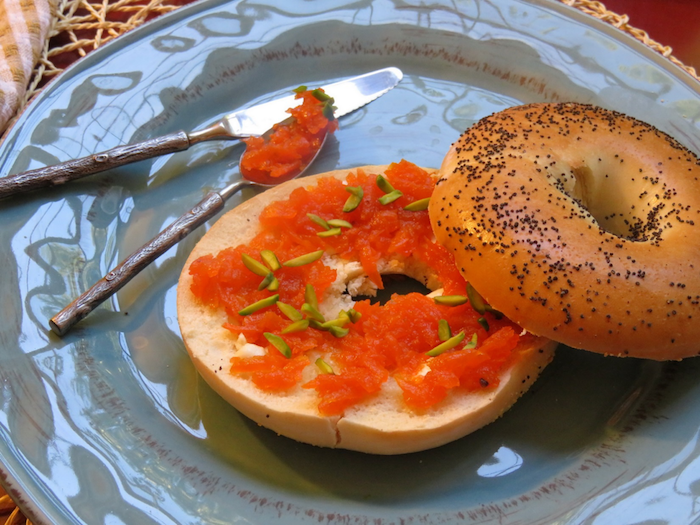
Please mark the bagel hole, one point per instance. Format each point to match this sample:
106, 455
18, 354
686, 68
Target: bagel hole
610, 203
582, 184
395, 283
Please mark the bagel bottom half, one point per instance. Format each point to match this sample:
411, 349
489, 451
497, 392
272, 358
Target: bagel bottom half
382, 423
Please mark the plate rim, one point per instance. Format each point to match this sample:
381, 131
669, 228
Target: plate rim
30, 507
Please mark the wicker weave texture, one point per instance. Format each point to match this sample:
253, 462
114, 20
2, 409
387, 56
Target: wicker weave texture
10, 514
82, 26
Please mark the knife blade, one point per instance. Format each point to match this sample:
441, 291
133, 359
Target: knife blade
349, 94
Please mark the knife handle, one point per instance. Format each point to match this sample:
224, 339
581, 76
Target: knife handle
137, 261
75, 169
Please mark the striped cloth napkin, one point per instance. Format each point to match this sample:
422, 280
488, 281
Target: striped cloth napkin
24, 28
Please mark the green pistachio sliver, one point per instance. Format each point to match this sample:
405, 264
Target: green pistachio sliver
330, 233
328, 107
310, 296
328, 110
324, 367
492, 310
337, 331
475, 299
496, 313
384, 184
352, 203
478, 303
318, 220
450, 300
418, 205
300, 89
313, 323
259, 305
483, 322
322, 96
444, 331
296, 326
338, 223
356, 194
289, 311
354, 315
312, 313
267, 281
355, 190
254, 266
390, 197
279, 343
472, 342
341, 321
307, 258
446, 345
270, 259
274, 285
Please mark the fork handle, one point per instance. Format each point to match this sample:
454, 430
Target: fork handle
137, 261
82, 167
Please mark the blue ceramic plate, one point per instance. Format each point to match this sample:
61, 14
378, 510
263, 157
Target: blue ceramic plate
111, 424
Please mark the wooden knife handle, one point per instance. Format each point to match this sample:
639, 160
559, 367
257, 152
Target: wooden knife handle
82, 167
137, 261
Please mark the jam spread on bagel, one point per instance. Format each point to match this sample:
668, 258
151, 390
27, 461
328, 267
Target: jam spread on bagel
276, 287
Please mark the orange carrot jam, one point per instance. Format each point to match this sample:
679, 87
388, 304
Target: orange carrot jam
390, 340
292, 145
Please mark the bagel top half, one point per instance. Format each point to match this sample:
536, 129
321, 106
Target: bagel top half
580, 224
381, 424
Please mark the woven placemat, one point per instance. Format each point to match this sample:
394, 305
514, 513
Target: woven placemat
82, 26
